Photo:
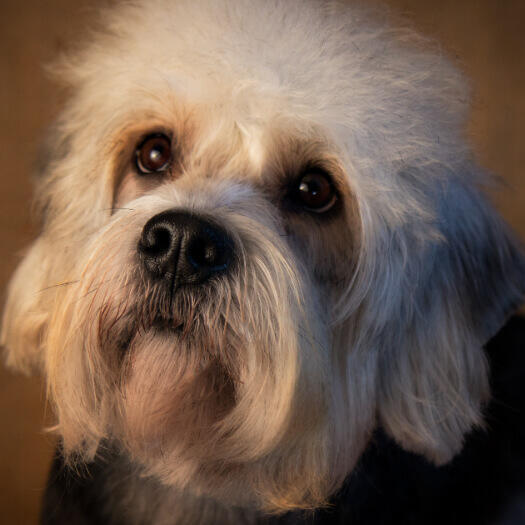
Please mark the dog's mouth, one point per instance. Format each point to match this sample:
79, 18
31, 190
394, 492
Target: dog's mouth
135, 327
168, 325
125, 333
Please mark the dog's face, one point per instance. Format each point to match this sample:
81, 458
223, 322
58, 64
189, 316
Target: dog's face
262, 238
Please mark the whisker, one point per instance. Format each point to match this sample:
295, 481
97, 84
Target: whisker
115, 209
96, 287
58, 285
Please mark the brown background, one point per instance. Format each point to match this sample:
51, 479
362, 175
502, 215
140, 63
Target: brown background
485, 36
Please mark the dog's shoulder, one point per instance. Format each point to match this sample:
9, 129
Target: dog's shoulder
506, 352
74, 497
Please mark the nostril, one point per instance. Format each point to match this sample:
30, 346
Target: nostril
209, 250
156, 240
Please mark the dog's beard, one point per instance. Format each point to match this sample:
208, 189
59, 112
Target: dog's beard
221, 386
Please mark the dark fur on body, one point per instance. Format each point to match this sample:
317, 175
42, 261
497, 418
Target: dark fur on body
482, 485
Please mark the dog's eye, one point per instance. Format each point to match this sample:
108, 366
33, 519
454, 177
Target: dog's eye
153, 154
315, 192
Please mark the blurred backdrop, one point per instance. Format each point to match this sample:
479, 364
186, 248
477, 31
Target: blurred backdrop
484, 37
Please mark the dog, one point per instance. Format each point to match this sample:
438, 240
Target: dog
267, 275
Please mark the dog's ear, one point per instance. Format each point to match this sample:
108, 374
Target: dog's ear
29, 301
446, 294
25, 315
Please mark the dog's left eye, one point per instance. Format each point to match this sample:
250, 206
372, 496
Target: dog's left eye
315, 191
153, 154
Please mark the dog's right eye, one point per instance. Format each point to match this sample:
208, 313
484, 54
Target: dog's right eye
153, 154
315, 191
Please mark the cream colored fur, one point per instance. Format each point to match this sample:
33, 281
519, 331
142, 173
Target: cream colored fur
269, 387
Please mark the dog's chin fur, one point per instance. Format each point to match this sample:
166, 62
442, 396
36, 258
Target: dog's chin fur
261, 387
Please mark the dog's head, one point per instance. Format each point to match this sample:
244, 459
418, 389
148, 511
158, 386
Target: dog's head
263, 236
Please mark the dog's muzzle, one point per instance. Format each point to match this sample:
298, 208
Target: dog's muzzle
184, 248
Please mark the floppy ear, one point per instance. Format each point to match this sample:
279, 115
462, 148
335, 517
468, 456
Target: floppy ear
25, 315
452, 293
28, 301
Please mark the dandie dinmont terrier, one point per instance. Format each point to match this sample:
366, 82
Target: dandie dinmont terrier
266, 276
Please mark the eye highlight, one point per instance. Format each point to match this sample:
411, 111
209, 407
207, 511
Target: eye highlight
315, 192
153, 154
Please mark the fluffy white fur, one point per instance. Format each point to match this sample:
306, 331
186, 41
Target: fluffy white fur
268, 391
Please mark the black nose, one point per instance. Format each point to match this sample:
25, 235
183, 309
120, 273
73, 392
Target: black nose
185, 248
